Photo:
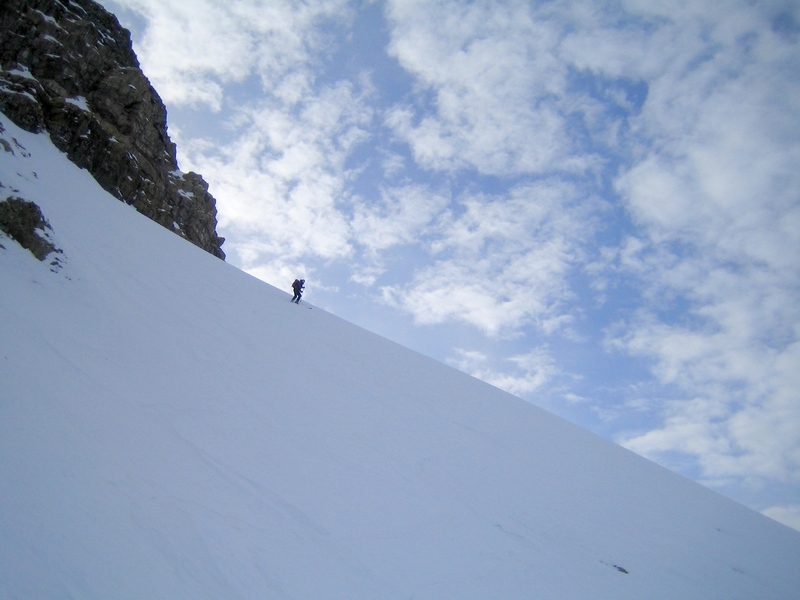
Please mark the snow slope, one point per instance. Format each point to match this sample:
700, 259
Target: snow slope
171, 427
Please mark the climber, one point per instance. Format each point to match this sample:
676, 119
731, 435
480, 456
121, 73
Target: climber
298, 286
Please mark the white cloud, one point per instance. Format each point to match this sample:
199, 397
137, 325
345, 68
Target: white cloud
283, 178
402, 216
224, 42
717, 203
744, 419
497, 88
530, 372
501, 263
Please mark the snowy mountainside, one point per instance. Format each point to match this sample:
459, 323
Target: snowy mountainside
171, 427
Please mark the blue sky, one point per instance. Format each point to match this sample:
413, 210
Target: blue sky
595, 206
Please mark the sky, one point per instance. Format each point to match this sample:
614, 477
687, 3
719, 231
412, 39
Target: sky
593, 206
161, 413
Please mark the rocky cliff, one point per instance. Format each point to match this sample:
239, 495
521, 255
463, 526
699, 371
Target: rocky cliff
67, 67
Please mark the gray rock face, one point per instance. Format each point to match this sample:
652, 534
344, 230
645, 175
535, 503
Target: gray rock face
67, 67
24, 222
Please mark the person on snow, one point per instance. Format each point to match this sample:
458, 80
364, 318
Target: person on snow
298, 286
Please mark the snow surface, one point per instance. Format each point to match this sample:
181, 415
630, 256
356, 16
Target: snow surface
171, 427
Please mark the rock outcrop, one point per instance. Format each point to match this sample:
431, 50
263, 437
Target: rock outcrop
68, 67
24, 222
